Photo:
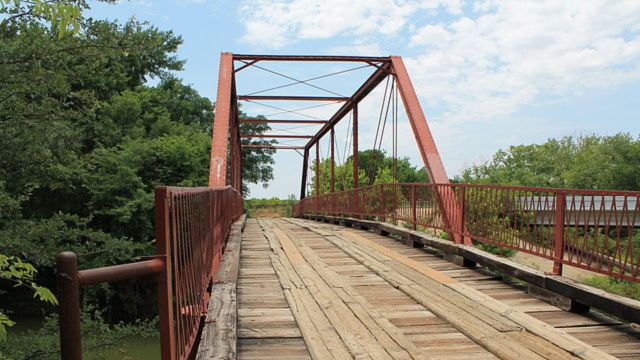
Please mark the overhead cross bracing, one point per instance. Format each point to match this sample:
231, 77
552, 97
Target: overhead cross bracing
295, 123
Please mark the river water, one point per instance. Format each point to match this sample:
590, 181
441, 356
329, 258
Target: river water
131, 348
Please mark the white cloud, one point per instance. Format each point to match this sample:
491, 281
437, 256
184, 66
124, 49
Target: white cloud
512, 53
482, 65
276, 23
487, 63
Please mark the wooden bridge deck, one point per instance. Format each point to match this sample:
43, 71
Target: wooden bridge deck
312, 290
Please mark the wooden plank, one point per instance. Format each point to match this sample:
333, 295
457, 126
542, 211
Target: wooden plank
386, 332
218, 339
321, 339
272, 349
499, 343
618, 306
355, 335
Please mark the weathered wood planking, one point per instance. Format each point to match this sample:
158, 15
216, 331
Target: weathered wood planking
218, 339
618, 340
267, 328
306, 290
612, 304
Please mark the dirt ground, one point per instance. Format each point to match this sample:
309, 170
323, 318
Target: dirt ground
547, 265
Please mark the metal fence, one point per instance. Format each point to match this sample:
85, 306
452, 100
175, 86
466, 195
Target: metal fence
592, 230
191, 228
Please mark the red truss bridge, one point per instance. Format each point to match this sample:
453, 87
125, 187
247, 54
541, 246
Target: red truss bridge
383, 271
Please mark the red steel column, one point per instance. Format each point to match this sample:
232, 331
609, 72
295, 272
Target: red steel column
317, 168
356, 180
165, 287
235, 147
305, 166
558, 233
69, 300
414, 208
426, 144
218, 165
333, 163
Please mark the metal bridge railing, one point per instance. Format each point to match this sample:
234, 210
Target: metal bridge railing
592, 230
191, 228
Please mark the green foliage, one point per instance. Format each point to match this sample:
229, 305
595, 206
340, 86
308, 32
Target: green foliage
587, 162
615, 286
20, 274
269, 207
83, 142
97, 336
64, 17
496, 250
257, 163
374, 167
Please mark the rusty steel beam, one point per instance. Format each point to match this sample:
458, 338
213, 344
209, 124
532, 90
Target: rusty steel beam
267, 121
69, 309
275, 147
222, 117
165, 296
292, 98
418, 121
428, 149
246, 65
364, 90
305, 165
317, 169
333, 162
236, 154
302, 58
121, 272
276, 136
356, 175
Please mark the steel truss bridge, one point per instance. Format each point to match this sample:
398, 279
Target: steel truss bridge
384, 271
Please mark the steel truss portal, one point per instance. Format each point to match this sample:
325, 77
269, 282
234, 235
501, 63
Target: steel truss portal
226, 141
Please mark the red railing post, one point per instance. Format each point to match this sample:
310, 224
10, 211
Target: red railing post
69, 300
464, 239
414, 214
558, 233
394, 215
165, 286
382, 207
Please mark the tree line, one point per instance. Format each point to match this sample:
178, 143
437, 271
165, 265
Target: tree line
84, 139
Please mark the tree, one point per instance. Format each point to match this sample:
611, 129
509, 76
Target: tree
84, 140
373, 167
588, 162
21, 274
257, 163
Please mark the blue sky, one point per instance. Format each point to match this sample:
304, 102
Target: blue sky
489, 74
